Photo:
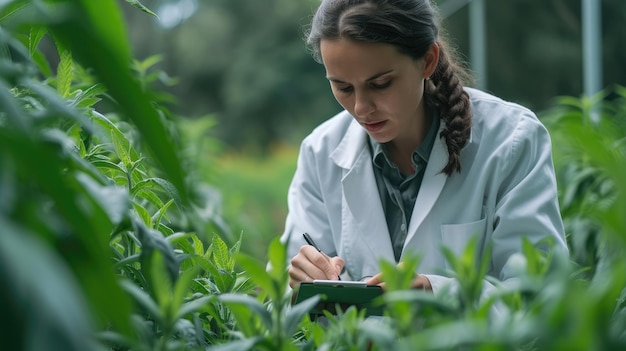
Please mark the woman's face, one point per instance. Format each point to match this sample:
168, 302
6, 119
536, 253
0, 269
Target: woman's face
380, 87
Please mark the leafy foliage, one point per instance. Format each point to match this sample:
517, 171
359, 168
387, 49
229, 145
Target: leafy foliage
105, 228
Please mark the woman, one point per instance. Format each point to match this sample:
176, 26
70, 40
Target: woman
416, 161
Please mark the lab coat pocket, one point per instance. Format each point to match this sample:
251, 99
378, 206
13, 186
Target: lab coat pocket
457, 236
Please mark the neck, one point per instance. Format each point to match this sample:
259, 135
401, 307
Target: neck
409, 142
400, 150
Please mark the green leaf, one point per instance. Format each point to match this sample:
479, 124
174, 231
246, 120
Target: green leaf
246, 308
208, 267
162, 286
198, 247
181, 288
161, 184
13, 111
260, 276
223, 279
145, 65
10, 8
140, 6
221, 254
423, 299
88, 97
238, 345
112, 199
380, 334
36, 279
42, 62
143, 214
108, 165
151, 241
107, 128
400, 276
162, 212
122, 147
294, 315
182, 241
127, 261
450, 336
150, 196
143, 298
34, 38
278, 261
55, 106
194, 306
65, 72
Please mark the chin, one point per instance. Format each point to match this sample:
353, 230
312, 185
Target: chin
381, 139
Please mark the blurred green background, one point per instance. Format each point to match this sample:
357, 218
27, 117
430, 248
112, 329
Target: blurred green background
243, 64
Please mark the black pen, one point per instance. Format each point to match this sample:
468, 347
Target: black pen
310, 241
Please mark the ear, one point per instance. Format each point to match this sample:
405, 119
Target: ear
431, 58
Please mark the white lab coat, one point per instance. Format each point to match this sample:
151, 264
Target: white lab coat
506, 190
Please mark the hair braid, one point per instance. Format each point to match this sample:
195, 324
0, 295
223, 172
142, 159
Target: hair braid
447, 90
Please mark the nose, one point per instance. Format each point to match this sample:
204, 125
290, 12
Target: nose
363, 104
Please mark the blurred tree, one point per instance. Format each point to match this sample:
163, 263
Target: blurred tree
245, 62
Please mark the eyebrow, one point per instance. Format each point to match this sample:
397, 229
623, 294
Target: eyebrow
378, 75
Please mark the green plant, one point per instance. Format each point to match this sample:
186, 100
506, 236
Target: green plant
588, 159
93, 201
105, 230
267, 321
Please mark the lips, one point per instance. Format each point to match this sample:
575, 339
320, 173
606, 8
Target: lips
375, 126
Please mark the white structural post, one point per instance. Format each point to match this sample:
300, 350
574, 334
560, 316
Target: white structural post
478, 42
592, 52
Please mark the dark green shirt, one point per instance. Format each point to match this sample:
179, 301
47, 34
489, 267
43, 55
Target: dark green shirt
397, 191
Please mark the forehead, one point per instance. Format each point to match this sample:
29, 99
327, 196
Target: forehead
355, 60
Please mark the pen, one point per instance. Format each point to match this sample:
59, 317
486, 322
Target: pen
310, 241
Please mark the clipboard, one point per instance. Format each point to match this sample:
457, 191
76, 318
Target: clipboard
342, 294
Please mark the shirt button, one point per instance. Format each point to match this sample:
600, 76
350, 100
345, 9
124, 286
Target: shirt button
403, 227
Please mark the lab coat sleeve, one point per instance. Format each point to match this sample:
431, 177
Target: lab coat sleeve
526, 205
307, 210
527, 201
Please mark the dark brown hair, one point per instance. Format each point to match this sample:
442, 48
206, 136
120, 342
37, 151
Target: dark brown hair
412, 26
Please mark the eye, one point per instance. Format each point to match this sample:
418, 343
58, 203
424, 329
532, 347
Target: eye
345, 89
382, 85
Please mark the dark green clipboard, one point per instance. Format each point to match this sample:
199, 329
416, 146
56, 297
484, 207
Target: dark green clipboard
343, 295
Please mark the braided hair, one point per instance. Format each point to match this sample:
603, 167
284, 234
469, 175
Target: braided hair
412, 26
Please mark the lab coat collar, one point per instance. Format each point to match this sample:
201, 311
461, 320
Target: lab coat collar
364, 226
369, 224
432, 185
353, 144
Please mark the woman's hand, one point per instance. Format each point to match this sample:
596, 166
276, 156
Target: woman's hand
419, 282
310, 264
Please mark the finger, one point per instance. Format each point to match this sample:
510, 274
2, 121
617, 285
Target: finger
421, 282
338, 263
309, 264
297, 276
323, 263
303, 270
375, 280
